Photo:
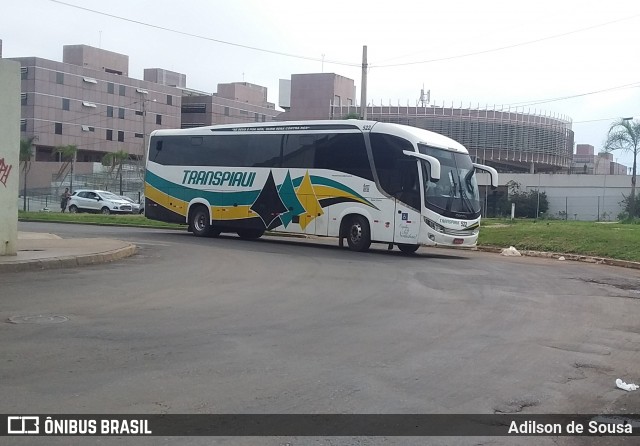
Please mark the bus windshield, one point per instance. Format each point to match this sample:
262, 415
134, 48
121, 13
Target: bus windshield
457, 190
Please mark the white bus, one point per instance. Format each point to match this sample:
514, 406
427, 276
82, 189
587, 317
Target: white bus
362, 181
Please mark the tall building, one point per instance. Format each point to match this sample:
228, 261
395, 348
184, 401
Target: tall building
233, 103
89, 101
313, 96
586, 162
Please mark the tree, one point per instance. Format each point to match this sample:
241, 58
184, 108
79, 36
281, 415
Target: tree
529, 204
68, 154
115, 160
26, 151
624, 135
352, 116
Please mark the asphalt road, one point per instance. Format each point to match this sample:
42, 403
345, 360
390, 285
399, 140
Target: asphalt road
283, 325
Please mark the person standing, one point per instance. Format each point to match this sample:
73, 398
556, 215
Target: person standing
64, 199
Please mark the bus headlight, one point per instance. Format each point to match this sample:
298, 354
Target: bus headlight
433, 225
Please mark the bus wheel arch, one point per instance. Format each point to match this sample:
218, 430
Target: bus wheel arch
357, 230
199, 220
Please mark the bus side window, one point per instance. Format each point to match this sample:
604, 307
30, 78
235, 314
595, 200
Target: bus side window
395, 170
344, 152
410, 190
156, 144
300, 151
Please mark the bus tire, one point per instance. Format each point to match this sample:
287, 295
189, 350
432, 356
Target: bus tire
358, 233
200, 223
408, 249
250, 234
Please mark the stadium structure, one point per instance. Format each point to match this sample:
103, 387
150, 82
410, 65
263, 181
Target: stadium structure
509, 140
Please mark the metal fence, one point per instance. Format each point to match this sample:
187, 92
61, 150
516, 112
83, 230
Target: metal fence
48, 199
599, 208
595, 208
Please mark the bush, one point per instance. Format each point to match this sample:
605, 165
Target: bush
526, 202
626, 202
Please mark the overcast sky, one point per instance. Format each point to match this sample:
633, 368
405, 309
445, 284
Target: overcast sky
465, 52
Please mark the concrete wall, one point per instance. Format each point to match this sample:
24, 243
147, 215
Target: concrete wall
244, 92
165, 77
312, 95
9, 154
581, 197
41, 173
96, 58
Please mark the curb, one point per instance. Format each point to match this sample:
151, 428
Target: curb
492, 249
573, 257
69, 261
119, 225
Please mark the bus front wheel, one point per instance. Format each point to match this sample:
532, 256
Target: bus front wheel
408, 249
250, 234
358, 234
200, 222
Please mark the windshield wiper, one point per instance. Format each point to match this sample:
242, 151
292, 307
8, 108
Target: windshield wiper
452, 190
465, 199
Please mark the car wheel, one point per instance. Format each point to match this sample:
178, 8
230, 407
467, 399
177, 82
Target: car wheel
73, 209
358, 234
105, 211
408, 249
200, 223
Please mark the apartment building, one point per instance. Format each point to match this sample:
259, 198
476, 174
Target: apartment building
233, 103
88, 100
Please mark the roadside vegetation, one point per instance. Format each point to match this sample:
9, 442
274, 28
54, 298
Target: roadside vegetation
116, 220
613, 240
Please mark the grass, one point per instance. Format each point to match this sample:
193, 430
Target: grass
113, 219
613, 240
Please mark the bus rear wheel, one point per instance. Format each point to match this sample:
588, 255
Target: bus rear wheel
408, 249
358, 234
250, 234
200, 223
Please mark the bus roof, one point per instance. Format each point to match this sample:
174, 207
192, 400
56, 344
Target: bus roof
413, 134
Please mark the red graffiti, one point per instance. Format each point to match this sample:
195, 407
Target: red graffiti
5, 170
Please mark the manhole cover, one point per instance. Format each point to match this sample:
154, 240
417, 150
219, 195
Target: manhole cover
39, 319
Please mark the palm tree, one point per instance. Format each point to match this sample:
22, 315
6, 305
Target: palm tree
26, 151
115, 160
69, 154
624, 135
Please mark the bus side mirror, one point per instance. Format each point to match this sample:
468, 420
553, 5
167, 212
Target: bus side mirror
491, 171
434, 164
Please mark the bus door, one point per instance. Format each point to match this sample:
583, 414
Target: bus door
407, 212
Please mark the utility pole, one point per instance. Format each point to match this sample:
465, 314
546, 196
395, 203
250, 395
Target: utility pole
144, 127
363, 89
73, 162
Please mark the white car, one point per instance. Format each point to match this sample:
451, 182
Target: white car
135, 207
98, 201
